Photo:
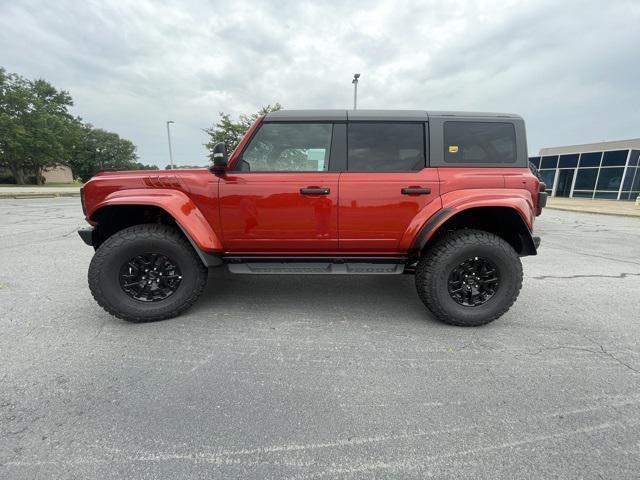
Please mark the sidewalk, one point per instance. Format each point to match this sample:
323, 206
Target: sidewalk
623, 208
28, 191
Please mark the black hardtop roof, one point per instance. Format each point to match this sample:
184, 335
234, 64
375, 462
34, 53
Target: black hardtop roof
375, 115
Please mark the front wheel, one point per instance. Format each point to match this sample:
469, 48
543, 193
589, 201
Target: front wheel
469, 278
145, 273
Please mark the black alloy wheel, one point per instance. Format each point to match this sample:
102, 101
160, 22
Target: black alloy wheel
146, 272
469, 277
473, 282
150, 277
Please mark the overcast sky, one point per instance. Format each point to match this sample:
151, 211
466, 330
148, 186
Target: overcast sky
570, 68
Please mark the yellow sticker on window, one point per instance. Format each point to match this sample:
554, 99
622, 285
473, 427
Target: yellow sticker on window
453, 148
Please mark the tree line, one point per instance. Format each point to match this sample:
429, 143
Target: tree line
37, 131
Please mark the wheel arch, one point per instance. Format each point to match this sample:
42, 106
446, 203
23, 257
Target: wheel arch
128, 208
501, 220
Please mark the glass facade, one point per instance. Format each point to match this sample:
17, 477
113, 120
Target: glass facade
610, 174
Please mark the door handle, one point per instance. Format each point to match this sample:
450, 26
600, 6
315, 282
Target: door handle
415, 191
314, 191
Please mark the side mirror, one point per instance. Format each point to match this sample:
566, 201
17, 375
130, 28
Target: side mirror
220, 158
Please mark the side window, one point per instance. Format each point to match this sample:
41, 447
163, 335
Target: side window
479, 143
288, 147
385, 147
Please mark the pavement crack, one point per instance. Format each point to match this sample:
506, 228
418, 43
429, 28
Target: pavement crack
620, 275
609, 354
599, 351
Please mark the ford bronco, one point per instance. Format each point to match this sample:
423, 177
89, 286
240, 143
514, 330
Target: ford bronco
445, 196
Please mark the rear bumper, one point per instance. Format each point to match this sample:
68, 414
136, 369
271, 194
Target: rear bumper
542, 199
536, 241
86, 234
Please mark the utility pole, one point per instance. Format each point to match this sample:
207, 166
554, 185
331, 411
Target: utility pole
169, 138
356, 76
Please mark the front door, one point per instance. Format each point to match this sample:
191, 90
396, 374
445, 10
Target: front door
385, 186
280, 196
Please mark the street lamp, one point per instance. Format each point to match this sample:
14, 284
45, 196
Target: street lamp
356, 76
169, 138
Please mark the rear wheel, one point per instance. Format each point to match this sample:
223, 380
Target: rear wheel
469, 278
145, 273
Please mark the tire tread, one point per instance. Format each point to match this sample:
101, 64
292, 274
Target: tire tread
150, 232
452, 241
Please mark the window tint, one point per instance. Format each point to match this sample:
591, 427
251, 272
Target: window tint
379, 147
586, 179
287, 147
568, 161
610, 178
548, 177
615, 158
578, 194
479, 142
628, 178
549, 161
607, 195
636, 180
591, 159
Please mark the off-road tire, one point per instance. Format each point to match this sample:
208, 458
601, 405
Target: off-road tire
433, 270
125, 244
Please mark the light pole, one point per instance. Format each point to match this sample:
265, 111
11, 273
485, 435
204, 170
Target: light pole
169, 138
356, 76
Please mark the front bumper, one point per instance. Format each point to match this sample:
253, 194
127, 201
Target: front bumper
86, 234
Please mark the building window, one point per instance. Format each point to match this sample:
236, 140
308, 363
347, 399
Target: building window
628, 179
548, 177
607, 195
615, 158
535, 161
586, 179
583, 194
591, 159
610, 179
568, 161
549, 161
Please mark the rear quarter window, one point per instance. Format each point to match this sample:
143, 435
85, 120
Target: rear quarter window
479, 143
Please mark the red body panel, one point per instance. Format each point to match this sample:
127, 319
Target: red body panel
189, 196
374, 214
265, 213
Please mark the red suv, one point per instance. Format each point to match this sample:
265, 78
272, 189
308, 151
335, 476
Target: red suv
445, 196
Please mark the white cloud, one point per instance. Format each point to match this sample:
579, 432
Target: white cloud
570, 68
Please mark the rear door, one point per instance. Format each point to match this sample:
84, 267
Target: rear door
281, 196
385, 185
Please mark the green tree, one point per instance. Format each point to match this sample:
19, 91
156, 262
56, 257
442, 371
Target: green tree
37, 131
231, 132
95, 149
34, 123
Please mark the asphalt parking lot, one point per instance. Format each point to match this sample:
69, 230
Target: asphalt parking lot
320, 377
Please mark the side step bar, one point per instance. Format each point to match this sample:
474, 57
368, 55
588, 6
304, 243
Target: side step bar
265, 266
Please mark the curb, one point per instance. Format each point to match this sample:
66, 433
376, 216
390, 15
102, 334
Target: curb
38, 195
579, 210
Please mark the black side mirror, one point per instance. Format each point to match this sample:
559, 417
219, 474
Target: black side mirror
220, 158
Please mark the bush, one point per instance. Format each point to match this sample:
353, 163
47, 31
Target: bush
7, 179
